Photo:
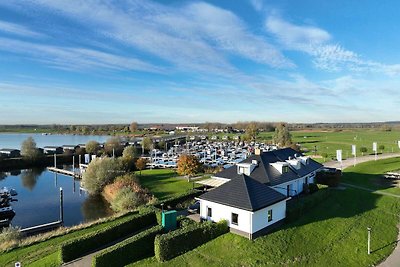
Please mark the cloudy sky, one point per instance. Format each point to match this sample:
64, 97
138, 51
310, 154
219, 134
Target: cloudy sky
95, 61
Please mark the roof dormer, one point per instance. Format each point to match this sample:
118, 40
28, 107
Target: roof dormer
295, 163
281, 166
246, 168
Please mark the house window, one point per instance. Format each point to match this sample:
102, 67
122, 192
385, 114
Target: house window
285, 169
235, 218
209, 212
269, 215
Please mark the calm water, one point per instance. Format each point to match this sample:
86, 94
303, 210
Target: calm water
14, 140
38, 198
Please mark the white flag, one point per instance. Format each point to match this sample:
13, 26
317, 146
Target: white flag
353, 150
339, 155
374, 147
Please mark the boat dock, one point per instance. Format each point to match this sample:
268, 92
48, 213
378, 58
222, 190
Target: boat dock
37, 229
77, 175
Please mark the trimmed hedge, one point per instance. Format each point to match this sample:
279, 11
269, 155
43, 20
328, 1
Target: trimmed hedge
175, 243
173, 201
297, 207
331, 179
135, 248
80, 246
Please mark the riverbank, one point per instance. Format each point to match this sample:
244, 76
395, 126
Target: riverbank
10, 164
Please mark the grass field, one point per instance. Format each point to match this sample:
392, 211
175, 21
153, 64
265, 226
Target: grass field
46, 253
329, 142
164, 183
334, 233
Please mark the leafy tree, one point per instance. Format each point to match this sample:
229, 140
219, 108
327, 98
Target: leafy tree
133, 127
101, 172
382, 147
92, 147
141, 164
80, 151
113, 145
325, 156
252, 131
282, 136
363, 150
147, 143
189, 165
128, 157
29, 150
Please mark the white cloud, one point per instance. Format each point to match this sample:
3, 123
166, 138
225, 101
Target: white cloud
257, 4
195, 36
17, 29
75, 58
318, 43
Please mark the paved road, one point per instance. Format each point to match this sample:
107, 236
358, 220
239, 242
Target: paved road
394, 259
350, 162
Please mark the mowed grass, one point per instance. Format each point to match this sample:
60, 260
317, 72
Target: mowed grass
46, 253
370, 175
164, 183
334, 233
329, 141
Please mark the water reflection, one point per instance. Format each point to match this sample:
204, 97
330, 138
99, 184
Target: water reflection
30, 177
95, 207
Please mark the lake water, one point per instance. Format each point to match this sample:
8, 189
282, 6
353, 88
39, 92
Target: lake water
14, 140
39, 194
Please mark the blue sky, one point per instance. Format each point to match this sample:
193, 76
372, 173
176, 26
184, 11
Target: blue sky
91, 61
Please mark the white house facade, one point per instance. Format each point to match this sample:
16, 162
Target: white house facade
252, 195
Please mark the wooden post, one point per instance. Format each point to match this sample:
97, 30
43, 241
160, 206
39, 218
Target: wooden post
369, 240
61, 206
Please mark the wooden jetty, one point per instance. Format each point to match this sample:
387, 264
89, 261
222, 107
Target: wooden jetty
37, 229
65, 172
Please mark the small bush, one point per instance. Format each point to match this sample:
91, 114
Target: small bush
175, 243
130, 250
78, 247
313, 188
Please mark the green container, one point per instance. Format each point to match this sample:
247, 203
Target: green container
169, 220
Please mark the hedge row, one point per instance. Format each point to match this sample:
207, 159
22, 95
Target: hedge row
331, 179
298, 207
130, 250
173, 201
80, 246
175, 243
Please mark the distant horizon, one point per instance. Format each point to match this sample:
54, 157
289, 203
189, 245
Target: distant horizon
97, 62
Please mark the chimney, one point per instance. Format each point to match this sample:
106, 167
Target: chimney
257, 152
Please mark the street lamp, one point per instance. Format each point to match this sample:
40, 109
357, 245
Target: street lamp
369, 240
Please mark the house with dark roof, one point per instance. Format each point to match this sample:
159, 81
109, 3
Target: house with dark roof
252, 195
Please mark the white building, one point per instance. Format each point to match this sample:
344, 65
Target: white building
252, 195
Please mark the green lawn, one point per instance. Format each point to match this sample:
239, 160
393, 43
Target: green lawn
164, 183
334, 233
46, 253
369, 174
329, 142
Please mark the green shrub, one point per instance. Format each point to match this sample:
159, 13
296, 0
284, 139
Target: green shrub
10, 237
172, 244
184, 222
151, 208
126, 199
173, 201
130, 250
313, 188
82, 245
298, 207
328, 178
